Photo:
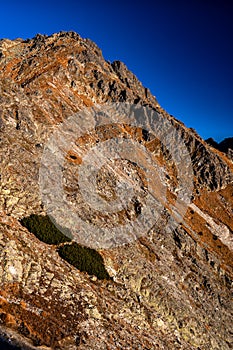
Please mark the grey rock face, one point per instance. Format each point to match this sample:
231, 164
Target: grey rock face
171, 288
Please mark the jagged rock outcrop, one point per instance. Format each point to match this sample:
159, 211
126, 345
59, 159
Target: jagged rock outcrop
171, 288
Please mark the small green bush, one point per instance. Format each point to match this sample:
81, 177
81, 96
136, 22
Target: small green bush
44, 229
84, 259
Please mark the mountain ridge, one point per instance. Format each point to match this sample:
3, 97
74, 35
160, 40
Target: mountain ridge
225, 146
170, 289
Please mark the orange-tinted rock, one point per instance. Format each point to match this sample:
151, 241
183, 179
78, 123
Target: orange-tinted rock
170, 289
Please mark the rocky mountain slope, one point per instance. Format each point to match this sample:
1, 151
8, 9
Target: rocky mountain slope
170, 289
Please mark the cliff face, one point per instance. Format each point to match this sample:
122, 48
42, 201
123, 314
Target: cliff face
170, 288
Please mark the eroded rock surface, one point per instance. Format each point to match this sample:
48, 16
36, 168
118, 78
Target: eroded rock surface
171, 289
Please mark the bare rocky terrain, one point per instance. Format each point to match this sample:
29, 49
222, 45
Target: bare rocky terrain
169, 289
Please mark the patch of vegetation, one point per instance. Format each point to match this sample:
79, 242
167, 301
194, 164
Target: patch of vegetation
44, 229
84, 259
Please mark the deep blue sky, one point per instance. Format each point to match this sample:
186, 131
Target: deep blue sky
182, 50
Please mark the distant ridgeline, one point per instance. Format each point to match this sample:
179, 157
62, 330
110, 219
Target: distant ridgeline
223, 146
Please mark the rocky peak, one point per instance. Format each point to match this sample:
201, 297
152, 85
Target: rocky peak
169, 289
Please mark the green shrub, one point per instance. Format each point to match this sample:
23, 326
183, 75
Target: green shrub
84, 259
44, 229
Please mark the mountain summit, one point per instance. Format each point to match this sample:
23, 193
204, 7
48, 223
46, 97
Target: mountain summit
169, 288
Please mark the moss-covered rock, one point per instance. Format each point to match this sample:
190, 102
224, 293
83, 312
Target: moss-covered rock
85, 259
44, 229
